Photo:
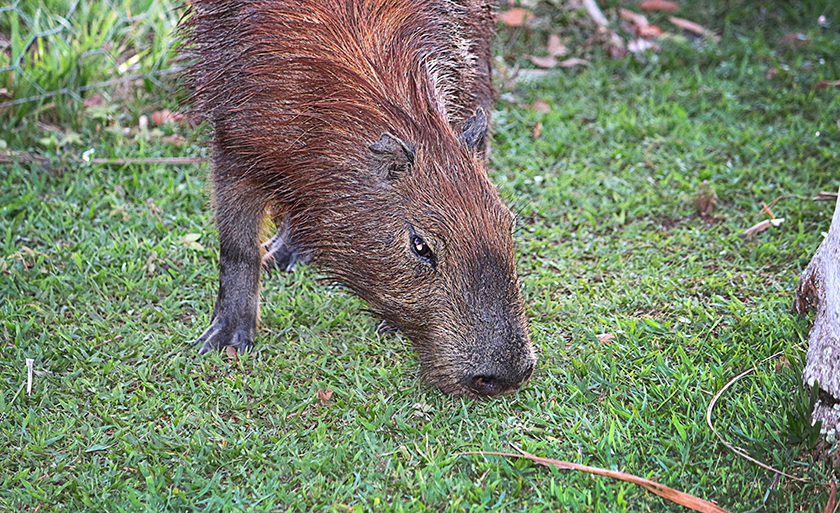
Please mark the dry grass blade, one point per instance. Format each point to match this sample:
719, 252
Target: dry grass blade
731, 447
681, 498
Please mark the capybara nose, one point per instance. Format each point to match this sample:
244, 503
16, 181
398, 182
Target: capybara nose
492, 384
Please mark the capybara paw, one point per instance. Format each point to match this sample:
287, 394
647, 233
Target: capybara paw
281, 254
218, 336
386, 328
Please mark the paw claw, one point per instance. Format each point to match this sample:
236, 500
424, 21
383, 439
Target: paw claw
386, 328
216, 337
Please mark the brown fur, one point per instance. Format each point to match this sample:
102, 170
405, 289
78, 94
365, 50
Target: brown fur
351, 121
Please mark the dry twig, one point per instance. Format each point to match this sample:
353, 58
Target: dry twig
736, 450
676, 496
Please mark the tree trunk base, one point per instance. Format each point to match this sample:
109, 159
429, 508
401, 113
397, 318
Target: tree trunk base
819, 287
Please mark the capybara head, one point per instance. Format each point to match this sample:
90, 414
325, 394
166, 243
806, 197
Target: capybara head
431, 251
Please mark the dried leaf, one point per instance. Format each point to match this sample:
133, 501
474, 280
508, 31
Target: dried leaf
574, 61
422, 409
232, 353
541, 106
544, 62
555, 47
324, 396
705, 199
771, 73
641, 45
162, 117
515, 17
795, 38
174, 139
649, 32
658, 5
637, 19
537, 132
93, 100
760, 227
615, 45
190, 237
782, 363
831, 505
617, 52
822, 84
605, 338
154, 209
150, 264
693, 27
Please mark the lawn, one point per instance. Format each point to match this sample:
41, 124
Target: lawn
643, 300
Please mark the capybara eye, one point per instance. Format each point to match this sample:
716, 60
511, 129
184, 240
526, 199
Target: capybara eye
420, 247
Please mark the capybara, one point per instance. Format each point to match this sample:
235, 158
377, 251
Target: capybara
360, 127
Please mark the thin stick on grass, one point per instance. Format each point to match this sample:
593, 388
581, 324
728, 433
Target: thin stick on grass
118, 337
98, 85
676, 496
736, 450
29, 363
170, 161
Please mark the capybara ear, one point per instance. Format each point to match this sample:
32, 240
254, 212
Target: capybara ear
475, 130
391, 156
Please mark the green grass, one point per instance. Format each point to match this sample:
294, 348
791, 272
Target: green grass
99, 286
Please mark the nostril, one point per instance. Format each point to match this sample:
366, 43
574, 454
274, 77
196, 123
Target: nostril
490, 382
486, 384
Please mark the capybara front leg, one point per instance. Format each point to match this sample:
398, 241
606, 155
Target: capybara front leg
239, 216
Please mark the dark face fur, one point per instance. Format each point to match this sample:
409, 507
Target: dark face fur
439, 266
